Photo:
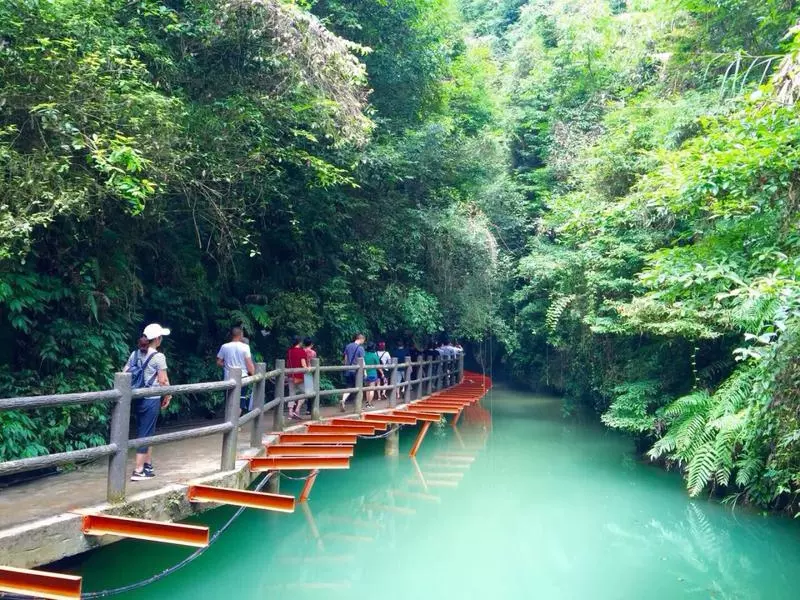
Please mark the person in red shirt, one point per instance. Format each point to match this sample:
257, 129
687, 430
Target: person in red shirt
296, 358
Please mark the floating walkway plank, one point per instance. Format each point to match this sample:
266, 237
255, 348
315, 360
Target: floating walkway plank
155, 531
314, 450
422, 416
359, 423
317, 438
438, 408
299, 463
264, 501
39, 584
447, 401
398, 418
353, 429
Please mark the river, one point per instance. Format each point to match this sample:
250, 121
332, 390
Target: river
517, 503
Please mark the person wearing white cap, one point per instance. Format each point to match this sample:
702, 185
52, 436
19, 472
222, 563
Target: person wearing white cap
147, 409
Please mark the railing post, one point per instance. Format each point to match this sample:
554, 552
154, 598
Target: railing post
440, 373
420, 377
408, 382
119, 433
449, 371
315, 406
230, 438
429, 382
360, 385
280, 382
259, 390
394, 376
460, 367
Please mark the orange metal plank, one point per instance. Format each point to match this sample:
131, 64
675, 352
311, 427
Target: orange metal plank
295, 450
421, 416
375, 424
40, 584
276, 502
317, 438
355, 429
435, 401
155, 531
299, 463
438, 408
448, 399
399, 418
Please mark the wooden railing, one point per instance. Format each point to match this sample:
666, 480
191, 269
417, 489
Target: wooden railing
431, 375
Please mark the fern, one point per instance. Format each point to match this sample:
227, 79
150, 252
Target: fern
706, 431
556, 310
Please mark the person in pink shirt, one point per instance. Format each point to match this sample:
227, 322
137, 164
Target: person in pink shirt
308, 378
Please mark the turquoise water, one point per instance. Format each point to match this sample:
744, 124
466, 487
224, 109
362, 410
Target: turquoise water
525, 505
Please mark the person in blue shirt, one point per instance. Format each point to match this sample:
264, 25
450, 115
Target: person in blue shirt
352, 352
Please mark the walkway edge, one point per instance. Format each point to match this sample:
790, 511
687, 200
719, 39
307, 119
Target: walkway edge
50, 539
47, 540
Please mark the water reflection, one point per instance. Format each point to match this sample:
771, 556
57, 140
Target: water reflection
514, 503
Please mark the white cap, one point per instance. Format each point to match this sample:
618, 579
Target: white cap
154, 330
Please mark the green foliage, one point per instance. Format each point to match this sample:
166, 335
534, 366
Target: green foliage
656, 144
631, 407
206, 164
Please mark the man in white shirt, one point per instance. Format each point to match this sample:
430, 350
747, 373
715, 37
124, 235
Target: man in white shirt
237, 354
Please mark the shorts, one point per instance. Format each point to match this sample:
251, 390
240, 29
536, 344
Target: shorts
371, 379
147, 410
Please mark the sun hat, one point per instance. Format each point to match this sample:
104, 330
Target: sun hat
154, 330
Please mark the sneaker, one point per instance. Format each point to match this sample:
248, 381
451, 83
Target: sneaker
149, 470
142, 475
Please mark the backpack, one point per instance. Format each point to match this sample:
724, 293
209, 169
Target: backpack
137, 373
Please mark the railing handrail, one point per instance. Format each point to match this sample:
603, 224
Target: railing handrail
122, 395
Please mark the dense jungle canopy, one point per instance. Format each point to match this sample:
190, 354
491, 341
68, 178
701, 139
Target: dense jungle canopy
605, 188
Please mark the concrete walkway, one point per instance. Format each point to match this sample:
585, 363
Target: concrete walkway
178, 462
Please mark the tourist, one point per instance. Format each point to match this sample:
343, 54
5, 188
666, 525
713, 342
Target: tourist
386, 361
401, 354
296, 359
236, 354
371, 375
431, 354
152, 369
138, 355
308, 378
414, 354
352, 352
